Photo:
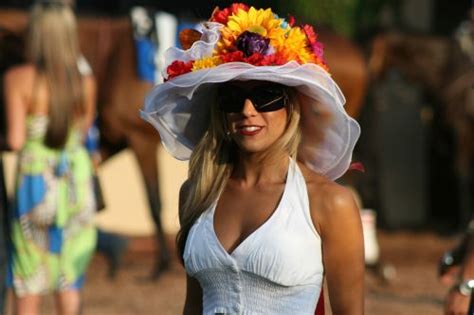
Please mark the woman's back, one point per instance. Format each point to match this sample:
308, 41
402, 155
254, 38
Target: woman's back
29, 94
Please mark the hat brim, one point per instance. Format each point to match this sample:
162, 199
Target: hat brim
179, 110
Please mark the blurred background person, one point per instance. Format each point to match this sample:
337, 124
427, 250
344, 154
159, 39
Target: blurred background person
50, 106
457, 272
3, 228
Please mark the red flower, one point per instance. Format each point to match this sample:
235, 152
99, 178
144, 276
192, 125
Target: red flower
291, 20
236, 6
310, 34
316, 47
178, 67
254, 59
233, 56
222, 16
257, 59
274, 60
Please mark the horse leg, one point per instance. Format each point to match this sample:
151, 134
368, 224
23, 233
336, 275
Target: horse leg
144, 149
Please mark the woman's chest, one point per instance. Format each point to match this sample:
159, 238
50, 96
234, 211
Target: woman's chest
284, 250
237, 216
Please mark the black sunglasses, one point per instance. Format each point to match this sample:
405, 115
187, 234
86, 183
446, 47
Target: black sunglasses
265, 98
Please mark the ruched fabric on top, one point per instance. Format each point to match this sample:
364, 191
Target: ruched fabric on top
276, 270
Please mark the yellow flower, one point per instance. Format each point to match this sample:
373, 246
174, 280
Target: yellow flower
204, 63
295, 46
260, 21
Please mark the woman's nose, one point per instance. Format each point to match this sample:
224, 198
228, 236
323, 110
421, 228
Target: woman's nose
249, 109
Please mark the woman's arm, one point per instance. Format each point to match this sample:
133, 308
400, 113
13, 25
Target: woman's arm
16, 109
193, 301
338, 221
90, 98
456, 302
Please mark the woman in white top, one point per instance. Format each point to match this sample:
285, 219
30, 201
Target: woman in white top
252, 104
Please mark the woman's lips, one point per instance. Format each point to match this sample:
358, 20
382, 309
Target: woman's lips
249, 130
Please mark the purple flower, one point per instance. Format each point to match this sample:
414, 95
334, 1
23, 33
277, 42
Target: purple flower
250, 43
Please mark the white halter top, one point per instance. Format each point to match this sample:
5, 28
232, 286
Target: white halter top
276, 270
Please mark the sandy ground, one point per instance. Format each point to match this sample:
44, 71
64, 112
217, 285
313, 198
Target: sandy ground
414, 290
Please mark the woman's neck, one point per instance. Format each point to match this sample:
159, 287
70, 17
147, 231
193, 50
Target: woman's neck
253, 169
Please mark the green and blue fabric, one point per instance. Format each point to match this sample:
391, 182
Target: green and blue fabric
52, 229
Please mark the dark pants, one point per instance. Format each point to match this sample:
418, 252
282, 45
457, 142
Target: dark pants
112, 246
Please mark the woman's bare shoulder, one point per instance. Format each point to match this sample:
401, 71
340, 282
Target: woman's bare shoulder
328, 199
20, 73
319, 185
89, 83
89, 79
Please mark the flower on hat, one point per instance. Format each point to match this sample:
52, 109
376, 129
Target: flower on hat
261, 22
316, 46
221, 16
258, 37
208, 62
178, 67
296, 47
250, 43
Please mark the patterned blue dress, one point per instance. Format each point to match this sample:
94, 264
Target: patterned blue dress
52, 228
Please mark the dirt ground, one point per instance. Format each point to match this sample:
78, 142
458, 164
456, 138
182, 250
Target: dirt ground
413, 291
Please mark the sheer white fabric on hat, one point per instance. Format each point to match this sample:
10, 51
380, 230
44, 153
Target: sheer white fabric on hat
179, 109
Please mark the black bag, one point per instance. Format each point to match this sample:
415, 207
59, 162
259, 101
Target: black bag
99, 197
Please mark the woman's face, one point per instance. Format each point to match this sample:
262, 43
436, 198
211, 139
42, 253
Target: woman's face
256, 113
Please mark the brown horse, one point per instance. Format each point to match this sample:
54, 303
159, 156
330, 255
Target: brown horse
107, 44
441, 66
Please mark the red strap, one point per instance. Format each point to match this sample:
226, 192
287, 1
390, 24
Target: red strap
320, 306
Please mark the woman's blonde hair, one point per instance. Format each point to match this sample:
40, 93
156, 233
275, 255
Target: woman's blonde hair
53, 48
213, 159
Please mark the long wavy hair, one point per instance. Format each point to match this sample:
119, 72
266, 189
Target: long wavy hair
213, 159
52, 46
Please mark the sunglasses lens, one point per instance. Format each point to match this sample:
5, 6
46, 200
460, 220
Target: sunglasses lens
269, 98
273, 105
230, 99
265, 98
266, 95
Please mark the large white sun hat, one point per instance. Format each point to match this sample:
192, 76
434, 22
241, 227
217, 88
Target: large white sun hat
243, 43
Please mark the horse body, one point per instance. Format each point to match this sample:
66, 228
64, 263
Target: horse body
441, 67
107, 44
439, 64
348, 67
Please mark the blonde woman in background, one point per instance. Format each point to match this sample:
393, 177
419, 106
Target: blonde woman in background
50, 103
